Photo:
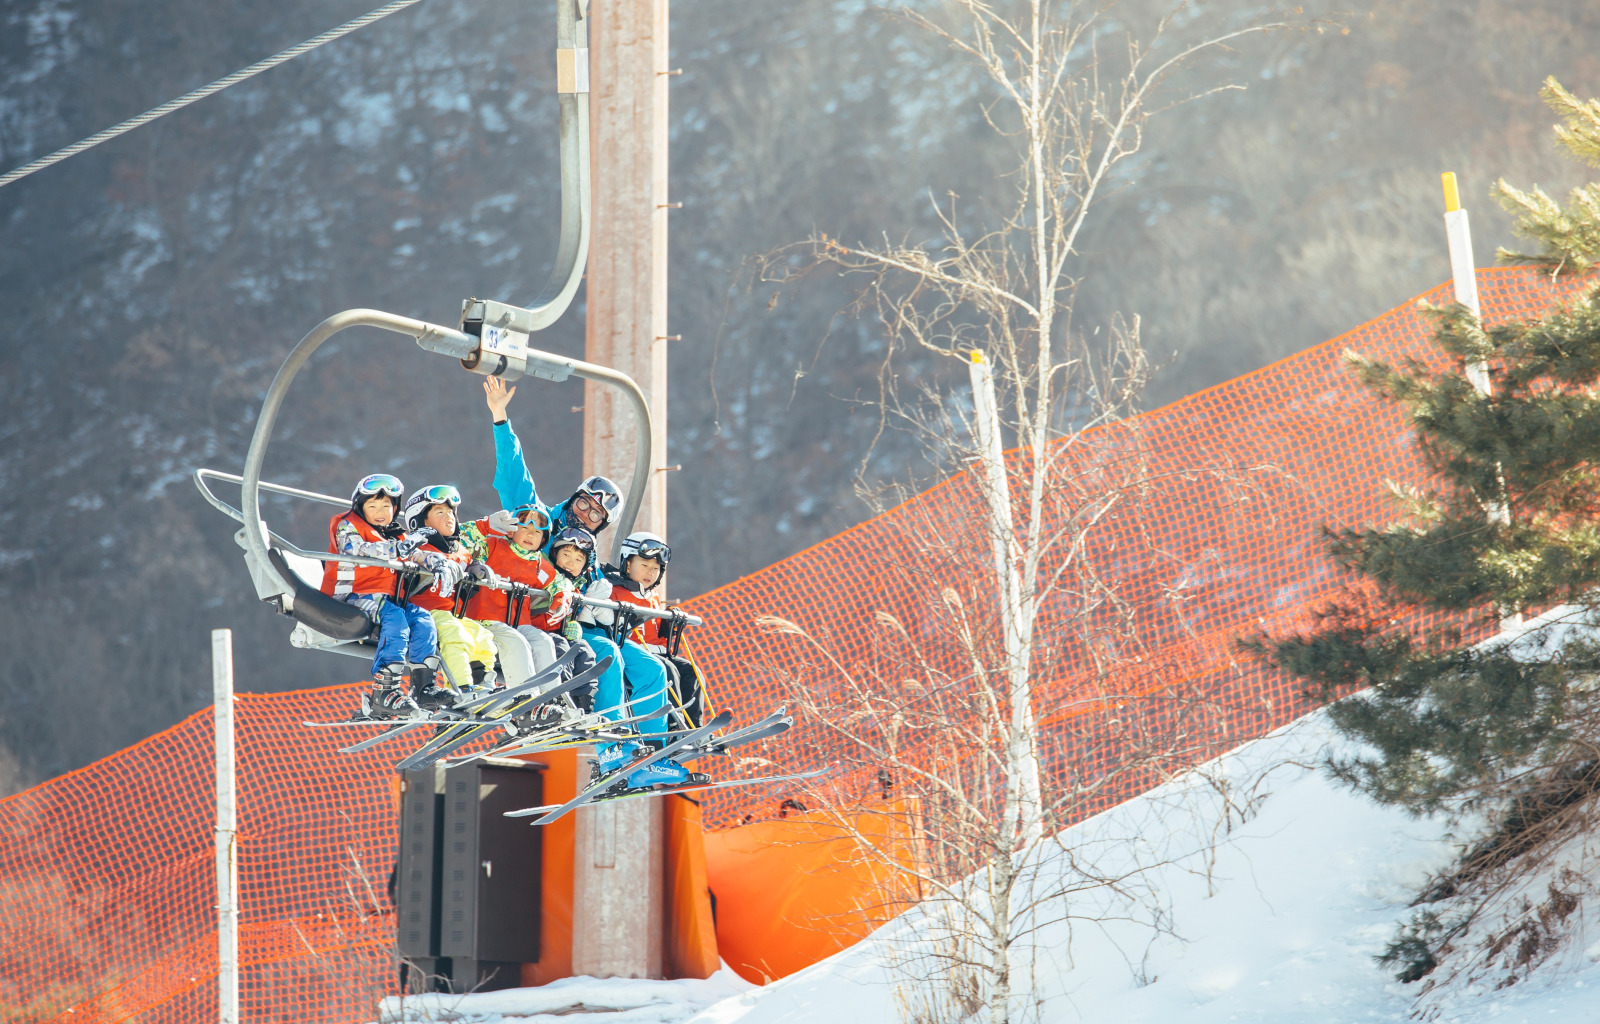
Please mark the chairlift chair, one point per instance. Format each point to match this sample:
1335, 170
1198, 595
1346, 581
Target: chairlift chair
491, 339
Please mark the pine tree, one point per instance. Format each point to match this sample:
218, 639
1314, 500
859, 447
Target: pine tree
1509, 522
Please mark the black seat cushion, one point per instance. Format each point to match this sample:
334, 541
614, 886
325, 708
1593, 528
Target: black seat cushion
323, 613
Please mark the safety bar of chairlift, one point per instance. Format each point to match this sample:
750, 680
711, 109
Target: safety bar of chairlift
639, 611
201, 475
445, 341
501, 584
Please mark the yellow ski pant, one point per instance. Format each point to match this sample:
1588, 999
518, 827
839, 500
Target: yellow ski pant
461, 642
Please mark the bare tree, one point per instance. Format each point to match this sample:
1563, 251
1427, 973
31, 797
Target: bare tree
946, 700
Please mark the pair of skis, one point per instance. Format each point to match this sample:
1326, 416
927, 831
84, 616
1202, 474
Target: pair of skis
474, 715
453, 738
684, 747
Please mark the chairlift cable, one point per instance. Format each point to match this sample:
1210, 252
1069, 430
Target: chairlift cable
209, 90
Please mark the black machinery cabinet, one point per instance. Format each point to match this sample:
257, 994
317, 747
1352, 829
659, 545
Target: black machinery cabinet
469, 878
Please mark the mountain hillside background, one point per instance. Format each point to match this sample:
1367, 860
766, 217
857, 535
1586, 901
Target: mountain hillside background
152, 286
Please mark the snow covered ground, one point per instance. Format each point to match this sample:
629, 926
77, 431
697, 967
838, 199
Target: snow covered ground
1282, 928
589, 1000
1271, 912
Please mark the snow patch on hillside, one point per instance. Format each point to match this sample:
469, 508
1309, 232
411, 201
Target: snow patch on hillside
1278, 922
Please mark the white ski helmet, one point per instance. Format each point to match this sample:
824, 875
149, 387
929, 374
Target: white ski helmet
417, 508
647, 545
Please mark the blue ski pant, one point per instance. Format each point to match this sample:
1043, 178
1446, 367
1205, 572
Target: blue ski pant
405, 633
647, 681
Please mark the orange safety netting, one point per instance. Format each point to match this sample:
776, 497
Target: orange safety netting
107, 901
107, 905
1223, 496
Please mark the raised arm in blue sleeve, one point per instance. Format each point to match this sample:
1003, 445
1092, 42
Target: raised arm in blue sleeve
511, 479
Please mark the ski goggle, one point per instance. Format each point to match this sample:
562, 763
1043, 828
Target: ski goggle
382, 483
581, 539
440, 494
532, 515
582, 503
657, 549
602, 492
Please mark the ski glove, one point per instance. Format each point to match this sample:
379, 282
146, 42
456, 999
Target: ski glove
480, 571
409, 544
560, 606
446, 573
503, 523
599, 616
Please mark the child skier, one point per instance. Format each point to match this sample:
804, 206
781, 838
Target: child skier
644, 564
408, 652
466, 647
508, 544
557, 621
573, 552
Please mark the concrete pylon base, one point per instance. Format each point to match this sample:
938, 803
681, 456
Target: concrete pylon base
618, 891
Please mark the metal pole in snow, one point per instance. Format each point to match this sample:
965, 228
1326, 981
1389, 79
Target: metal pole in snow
1463, 273
227, 831
1464, 278
1026, 796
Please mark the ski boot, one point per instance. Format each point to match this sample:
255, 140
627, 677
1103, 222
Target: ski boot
550, 715
484, 681
430, 685
665, 772
614, 757
390, 697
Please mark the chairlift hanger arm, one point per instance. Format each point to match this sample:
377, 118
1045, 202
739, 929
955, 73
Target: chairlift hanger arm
572, 90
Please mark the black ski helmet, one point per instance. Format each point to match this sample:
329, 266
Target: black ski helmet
574, 536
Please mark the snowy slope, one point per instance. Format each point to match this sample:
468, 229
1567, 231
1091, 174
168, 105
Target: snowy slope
1282, 929
1273, 887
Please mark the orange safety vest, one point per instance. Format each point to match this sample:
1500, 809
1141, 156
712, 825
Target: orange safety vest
430, 599
341, 578
494, 605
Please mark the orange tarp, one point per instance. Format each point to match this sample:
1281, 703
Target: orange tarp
792, 891
691, 947
691, 943
555, 893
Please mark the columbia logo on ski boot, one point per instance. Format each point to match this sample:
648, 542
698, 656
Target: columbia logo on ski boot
614, 758
665, 772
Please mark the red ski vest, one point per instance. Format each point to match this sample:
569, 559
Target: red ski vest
341, 578
430, 599
649, 631
494, 605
